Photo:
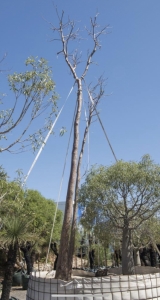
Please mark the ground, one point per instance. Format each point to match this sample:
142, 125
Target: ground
18, 293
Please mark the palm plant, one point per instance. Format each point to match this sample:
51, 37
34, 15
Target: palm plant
14, 233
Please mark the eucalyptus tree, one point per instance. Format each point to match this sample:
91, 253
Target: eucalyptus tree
92, 109
128, 194
32, 94
68, 34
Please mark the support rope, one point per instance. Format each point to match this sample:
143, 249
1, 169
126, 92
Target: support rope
45, 141
90, 97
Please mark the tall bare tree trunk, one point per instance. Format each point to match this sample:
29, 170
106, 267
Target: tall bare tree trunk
75, 207
64, 264
62, 271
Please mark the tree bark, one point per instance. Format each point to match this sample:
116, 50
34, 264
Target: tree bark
62, 271
153, 256
27, 257
137, 261
9, 270
105, 255
75, 207
33, 257
127, 252
54, 249
72, 239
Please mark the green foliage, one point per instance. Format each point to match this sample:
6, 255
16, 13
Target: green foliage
3, 174
15, 229
12, 199
31, 207
34, 92
124, 193
42, 211
62, 131
37, 80
147, 233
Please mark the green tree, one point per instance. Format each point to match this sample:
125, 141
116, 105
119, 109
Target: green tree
12, 198
42, 211
33, 205
126, 193
15, 231
34, 93
22, 213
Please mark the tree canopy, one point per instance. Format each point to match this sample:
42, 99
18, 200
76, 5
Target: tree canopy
127, 194
42, 211
33, 93
31, 206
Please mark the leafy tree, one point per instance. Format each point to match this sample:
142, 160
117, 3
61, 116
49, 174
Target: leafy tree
34, 93
126, 193
33, 205
42, 211
12, 198
22, 214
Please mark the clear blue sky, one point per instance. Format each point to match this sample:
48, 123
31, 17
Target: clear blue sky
129, 58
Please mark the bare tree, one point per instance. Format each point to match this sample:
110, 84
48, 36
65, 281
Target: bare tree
67, 34
92, 107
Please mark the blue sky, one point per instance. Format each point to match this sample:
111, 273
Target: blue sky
129, 59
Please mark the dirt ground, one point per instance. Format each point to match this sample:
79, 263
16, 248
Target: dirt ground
18, 293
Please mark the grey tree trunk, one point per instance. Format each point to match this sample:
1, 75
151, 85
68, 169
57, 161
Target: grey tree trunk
62, 271
127, 252
137, 261
75, 208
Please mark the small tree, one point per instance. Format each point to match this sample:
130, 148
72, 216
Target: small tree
34, 93
23, 225
14, 231
127, 193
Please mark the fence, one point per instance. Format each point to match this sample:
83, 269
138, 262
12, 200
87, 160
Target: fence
43, 286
